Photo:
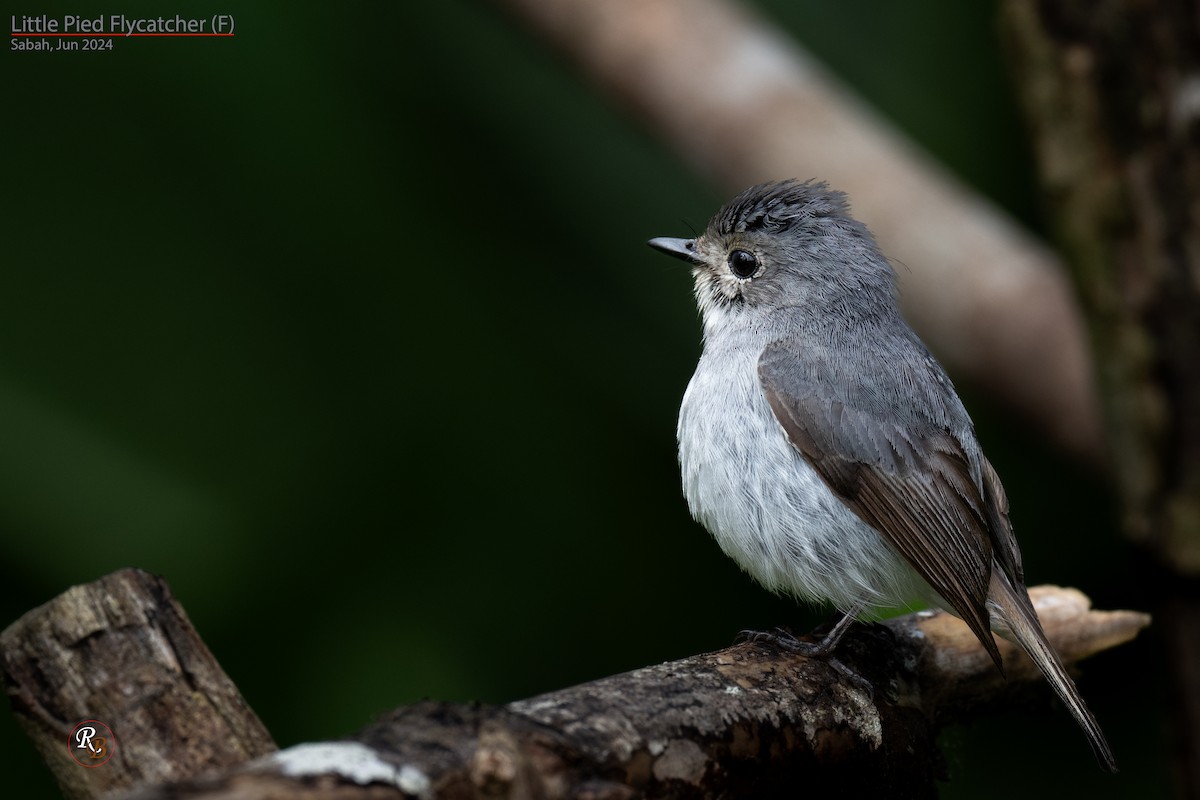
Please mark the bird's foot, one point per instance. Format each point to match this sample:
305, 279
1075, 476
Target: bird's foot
823, 650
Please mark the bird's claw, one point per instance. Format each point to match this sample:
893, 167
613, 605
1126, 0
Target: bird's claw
822, 650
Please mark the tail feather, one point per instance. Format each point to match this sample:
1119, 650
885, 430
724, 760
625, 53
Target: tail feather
1015, 611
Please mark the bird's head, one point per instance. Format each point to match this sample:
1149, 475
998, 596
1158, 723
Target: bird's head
790, 245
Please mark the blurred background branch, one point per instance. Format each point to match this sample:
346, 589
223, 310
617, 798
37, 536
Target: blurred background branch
1112, 94
744, 104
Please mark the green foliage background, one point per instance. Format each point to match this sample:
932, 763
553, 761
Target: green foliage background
346, 326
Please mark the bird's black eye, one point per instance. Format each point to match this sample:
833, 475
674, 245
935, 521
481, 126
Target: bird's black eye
743, 263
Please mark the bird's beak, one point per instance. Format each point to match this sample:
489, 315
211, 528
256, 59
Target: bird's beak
680, 248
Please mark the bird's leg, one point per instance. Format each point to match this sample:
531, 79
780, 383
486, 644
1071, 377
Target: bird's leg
822, 649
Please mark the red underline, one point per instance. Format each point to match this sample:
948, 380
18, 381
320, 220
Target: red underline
119, 35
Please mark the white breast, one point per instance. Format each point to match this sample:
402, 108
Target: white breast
766, 507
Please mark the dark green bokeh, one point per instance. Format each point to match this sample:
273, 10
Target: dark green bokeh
347, 328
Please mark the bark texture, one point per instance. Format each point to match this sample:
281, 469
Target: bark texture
1112, 93
122, 651
747, 721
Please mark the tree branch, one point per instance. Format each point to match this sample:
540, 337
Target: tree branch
122, 650
735, 723
1112, 94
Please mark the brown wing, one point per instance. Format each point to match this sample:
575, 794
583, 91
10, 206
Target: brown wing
898, 465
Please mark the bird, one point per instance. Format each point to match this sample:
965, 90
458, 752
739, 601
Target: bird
825, 448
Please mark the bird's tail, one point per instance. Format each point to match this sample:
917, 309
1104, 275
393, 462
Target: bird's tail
1016, 613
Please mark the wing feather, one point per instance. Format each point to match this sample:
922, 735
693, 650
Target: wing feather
905, 473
